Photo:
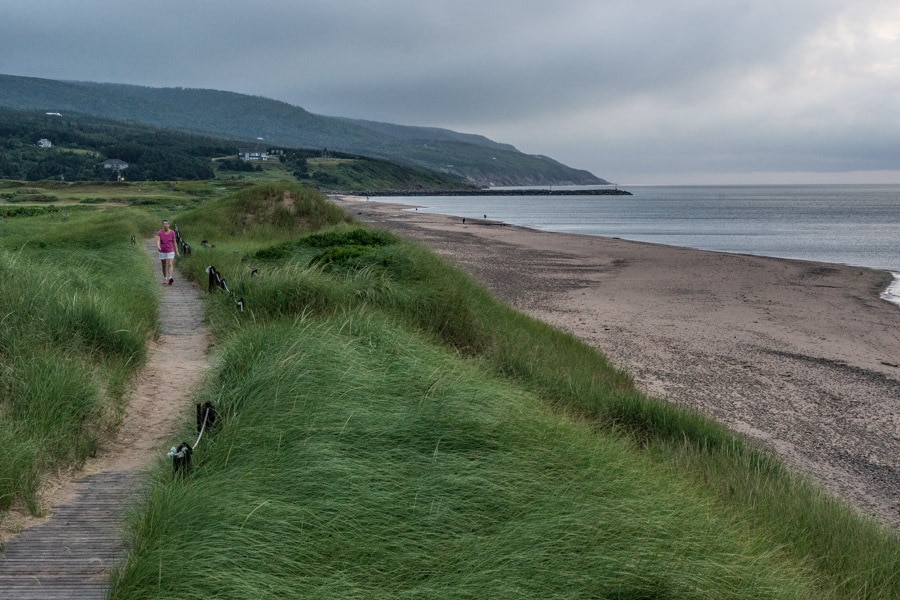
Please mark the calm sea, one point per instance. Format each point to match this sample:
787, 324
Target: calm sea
854, 225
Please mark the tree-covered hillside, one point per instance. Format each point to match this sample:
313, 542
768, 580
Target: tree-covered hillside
242, 117
78, 145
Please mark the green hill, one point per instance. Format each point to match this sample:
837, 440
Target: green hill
249, 118
78, 145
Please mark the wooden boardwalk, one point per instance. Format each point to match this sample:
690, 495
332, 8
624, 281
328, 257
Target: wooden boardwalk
72, 554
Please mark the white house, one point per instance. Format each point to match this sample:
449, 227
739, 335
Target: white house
115, 163
253, 154
44, 143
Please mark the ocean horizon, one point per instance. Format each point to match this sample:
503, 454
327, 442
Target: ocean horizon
855, 225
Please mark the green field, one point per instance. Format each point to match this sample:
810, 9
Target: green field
175, 195
390, 430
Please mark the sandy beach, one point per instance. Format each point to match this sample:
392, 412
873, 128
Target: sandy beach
802, 357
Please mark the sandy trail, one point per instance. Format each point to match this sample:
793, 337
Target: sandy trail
160, 400
802, 357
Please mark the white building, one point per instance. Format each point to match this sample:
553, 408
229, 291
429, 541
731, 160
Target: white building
253, 154
117, 165
44, 143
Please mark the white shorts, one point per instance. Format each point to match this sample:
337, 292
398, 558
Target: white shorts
165, 255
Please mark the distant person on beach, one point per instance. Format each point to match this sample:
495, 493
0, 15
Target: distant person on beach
165, 243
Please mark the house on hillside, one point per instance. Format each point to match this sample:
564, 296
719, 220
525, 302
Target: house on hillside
248, 154
117, 165
44, 143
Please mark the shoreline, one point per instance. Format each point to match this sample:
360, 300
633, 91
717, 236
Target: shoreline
890, 293
801, 357
502, 191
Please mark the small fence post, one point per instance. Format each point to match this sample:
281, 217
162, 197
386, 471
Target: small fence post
181, 458
211, 270
181, 455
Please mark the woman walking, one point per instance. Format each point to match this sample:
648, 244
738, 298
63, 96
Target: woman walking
165, 243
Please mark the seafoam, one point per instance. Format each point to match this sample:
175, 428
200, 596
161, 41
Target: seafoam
892, 293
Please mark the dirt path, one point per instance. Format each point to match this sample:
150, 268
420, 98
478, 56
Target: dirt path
68, 553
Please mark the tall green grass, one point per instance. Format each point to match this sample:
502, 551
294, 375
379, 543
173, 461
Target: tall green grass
378, 328
77, 308
262, 212
358, 461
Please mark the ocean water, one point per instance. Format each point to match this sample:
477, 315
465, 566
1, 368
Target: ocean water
853, 225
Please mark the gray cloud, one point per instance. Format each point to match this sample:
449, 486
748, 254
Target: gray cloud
629, 90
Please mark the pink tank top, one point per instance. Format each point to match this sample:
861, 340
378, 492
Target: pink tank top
166, 240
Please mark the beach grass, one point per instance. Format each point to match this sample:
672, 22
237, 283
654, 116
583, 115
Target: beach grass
77, 310
178, 195
389, 429
357, 459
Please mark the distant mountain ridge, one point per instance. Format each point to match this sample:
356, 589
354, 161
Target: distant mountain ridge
243, 117
408, 132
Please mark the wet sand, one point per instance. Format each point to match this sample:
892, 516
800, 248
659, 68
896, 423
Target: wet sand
802, 357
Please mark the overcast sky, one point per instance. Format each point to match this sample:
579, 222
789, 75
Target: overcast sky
656, 91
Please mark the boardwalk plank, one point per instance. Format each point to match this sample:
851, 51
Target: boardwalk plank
70, 555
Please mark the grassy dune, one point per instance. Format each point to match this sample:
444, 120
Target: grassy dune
358, 459
389, 430
76, 308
